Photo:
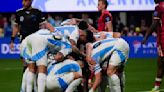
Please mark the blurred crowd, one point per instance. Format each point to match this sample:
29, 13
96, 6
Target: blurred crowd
134, 26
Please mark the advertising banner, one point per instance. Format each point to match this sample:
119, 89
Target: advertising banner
79, 5
91, 5
137, 50
6, 52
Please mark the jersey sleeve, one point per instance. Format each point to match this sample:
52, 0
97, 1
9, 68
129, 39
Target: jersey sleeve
107, 17
74, 35
17, 20
66, 48
96, 58
41, 17
97, 69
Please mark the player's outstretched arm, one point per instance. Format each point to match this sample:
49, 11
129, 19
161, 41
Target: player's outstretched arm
76, 50
92, 29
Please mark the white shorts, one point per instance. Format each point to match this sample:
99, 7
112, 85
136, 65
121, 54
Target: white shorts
34, 49
60, 82
120, 54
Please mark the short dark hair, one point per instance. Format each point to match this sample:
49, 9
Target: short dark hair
83, 25
158, 1
104, 2
90, 37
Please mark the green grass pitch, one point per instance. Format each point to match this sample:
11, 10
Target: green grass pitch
140, 75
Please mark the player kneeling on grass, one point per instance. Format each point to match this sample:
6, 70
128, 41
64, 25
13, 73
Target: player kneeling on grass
113, 52
62, 76
34, 49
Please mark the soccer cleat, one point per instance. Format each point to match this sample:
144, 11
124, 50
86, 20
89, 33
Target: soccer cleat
155, 89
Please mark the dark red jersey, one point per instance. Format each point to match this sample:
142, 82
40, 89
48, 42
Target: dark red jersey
159, 14
105, 17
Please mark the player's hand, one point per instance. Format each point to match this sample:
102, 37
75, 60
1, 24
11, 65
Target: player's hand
73, 21
90, 84
50, 27
12, 46
92, 29
90, 61
160, 53
102, 36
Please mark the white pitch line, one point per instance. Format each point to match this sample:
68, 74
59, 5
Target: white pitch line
8, 68
161, 90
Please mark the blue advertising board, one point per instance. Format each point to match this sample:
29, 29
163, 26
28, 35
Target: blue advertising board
10, 5
137, 50
6, 52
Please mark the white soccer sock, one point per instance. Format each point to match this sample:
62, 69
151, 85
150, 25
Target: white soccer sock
73, 85
41, 82
122, 79
30, 80
23, 85
114, 83
35, 84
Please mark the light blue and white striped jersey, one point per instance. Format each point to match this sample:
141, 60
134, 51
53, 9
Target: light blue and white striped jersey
69, 31
63, 67
47, 43
58, 70
103, 49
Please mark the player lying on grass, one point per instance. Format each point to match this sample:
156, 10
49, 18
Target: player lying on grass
64, 76
61, 76
35, 48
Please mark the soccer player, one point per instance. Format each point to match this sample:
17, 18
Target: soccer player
67, 72
35, 48
71, 31
100, 36
64, 76
105, 19
113, 52
158, 25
